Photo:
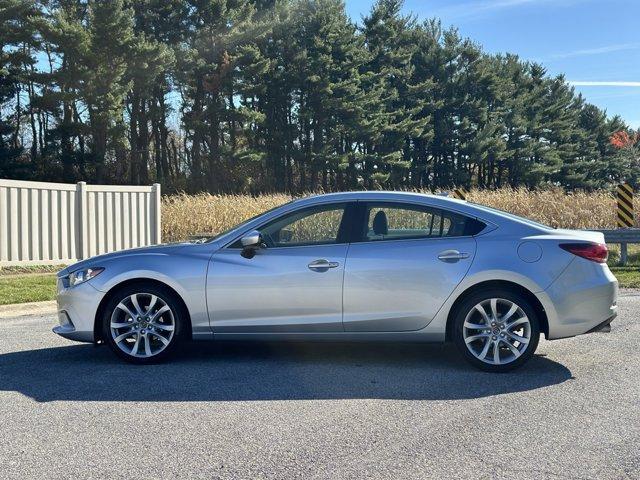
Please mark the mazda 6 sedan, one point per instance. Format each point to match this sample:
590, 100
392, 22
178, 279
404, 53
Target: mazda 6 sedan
358, 266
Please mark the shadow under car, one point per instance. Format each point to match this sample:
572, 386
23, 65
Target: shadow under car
267, 371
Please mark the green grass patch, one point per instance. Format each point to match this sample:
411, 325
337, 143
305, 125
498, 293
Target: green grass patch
30, 269
628, 277
633, 255
27, 288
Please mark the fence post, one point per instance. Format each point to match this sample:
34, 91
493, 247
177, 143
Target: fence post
625, 214
157, 217
81, 221
624, 201
460, 193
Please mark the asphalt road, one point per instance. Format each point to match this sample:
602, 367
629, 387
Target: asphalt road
319, 411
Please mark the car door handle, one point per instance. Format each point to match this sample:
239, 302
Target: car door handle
322, 264
452, 255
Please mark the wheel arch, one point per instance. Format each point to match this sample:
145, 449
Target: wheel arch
97, 330
505, 284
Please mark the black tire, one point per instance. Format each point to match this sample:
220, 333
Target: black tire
177, 315
468, 305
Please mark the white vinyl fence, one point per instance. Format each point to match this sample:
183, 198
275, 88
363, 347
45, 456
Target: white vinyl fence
57, 223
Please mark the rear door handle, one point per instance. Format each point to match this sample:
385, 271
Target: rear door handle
322, 264
452, 255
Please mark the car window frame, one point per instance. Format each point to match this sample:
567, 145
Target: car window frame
344, 230
358, 234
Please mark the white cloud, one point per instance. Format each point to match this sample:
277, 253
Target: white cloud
478, 8
597, 51
576, 83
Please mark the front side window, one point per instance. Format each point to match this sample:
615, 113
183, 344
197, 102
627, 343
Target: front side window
397, 222
319, 225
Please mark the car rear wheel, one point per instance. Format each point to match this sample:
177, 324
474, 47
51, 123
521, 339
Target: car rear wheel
496, 330
143, 324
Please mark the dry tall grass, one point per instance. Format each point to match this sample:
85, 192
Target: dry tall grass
553, 207
185, 215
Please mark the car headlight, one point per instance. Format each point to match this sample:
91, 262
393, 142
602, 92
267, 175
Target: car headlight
81, 276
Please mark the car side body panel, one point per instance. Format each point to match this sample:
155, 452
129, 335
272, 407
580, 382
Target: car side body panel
400, 285
276, 290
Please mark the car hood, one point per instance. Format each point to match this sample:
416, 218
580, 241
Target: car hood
97, 261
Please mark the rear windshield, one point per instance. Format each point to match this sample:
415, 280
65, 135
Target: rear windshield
513, 217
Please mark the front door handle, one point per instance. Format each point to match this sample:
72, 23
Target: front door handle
452, 256
322, 264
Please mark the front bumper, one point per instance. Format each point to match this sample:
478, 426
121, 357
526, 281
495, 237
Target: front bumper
77, 308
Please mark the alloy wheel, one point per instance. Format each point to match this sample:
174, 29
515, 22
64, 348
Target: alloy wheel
497, 331
142, 325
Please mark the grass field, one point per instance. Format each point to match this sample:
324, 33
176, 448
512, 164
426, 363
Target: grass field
27, 288
628, 277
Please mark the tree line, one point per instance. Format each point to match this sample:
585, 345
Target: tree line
285, 95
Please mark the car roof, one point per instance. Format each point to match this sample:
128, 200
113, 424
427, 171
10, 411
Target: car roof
388, 196
379, 195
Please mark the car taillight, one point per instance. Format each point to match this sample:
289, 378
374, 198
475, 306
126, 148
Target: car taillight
596, 252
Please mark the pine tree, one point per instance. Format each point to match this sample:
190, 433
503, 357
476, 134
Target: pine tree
17, 36
105, 65
222, 29
326, 70
389, 39
149, 62
67, 43
254, 95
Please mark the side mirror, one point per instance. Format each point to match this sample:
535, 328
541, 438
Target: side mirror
251, 242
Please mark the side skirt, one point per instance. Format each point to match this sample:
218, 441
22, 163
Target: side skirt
408, 337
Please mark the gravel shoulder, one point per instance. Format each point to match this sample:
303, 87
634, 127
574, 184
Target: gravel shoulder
28, 309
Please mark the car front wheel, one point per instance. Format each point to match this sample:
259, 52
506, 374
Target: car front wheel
496, 330
143, 324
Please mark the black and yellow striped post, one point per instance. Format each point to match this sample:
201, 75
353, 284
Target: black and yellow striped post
624, 198
459, 193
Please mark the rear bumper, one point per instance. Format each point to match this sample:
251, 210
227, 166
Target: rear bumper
604, 327
581, 300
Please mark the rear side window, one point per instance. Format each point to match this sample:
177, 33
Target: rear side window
387, 221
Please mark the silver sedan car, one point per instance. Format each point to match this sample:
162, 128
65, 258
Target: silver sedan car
358, 266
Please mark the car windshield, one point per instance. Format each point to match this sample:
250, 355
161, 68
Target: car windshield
513, 217
242, 224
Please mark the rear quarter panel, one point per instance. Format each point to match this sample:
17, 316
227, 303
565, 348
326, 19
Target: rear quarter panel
533, 261
512, 253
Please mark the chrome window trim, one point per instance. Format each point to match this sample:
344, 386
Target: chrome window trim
420, 239
490, 225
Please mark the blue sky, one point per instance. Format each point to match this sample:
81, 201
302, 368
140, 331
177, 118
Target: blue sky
595, 43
